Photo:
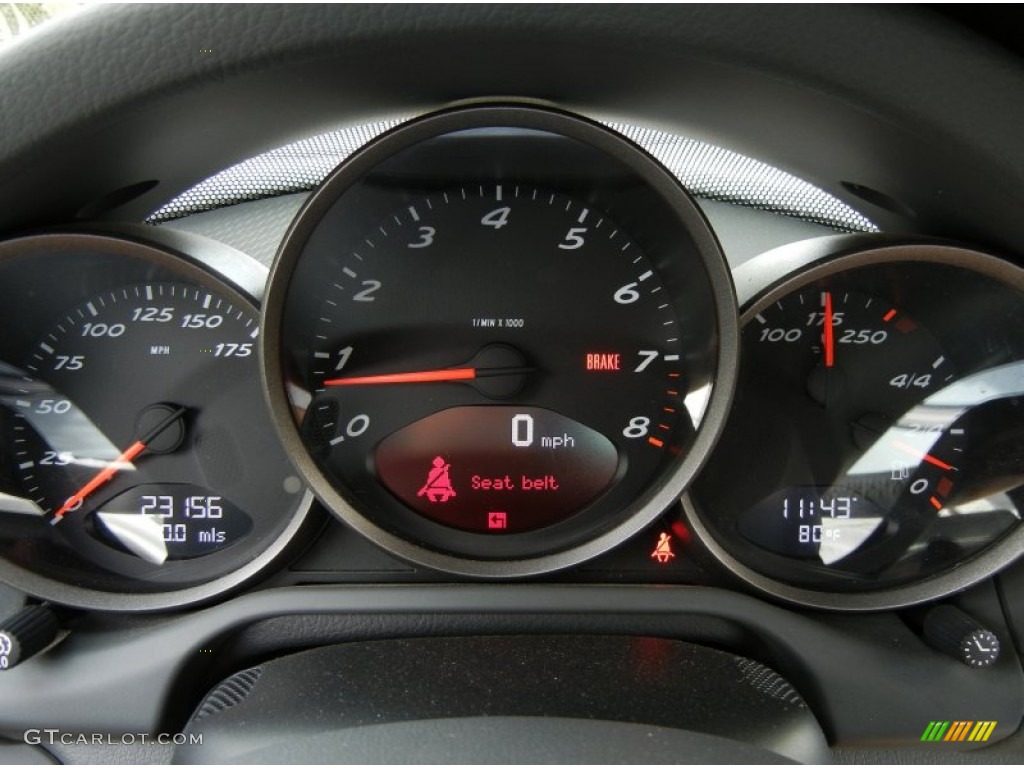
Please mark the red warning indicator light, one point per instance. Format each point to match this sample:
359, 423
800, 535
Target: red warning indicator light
603, 362
438, 487
497, 521
663, 550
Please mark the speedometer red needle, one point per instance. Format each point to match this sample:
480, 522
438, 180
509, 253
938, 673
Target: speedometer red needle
412, 377
830, 354
106, 474
103, 476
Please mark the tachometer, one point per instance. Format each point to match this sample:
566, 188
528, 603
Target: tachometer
497, 336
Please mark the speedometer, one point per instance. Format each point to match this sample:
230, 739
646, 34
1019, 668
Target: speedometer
140, 468
496, 335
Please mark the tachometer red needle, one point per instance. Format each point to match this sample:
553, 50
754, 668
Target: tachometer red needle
830, 355
101, 477
412, 377
922, 456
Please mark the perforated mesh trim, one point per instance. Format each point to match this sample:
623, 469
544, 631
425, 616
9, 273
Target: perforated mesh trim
704, 169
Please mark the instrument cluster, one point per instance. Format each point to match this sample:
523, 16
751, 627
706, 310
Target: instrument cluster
498, 342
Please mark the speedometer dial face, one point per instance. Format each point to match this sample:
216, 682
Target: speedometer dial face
485, 373
140, 460
870, 444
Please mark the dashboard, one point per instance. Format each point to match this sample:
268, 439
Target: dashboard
512, 431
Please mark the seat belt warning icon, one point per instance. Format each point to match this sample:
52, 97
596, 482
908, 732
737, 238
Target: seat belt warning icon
663, 550
438, 488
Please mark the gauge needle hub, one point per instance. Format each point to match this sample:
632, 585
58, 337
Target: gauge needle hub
106, 474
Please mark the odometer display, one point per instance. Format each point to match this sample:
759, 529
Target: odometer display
501, 368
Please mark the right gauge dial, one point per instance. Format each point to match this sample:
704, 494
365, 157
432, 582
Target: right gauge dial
874, 456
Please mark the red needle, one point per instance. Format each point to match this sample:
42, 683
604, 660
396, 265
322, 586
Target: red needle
923, 456
413, 377
101, 477
830, 352
107, 473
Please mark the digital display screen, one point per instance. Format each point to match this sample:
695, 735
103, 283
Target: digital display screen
496, 469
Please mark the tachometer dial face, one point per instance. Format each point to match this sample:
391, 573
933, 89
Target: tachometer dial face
872, 402
497, 369
140, 459
430, 331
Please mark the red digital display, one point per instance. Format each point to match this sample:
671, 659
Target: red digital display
496, 469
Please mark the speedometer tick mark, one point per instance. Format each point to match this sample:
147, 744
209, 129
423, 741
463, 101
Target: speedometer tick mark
760, 319
497, 193
671, 358
413, 213
47, 348
583, 216
92, 309
645, 275
349, 272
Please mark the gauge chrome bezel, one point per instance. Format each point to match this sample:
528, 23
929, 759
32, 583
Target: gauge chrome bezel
205, 262
665, 490
784, 270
